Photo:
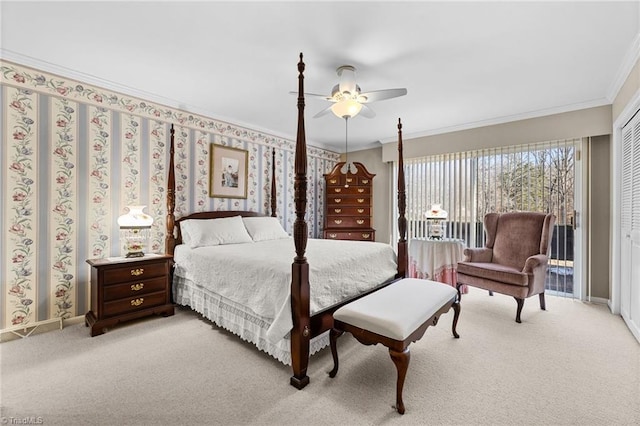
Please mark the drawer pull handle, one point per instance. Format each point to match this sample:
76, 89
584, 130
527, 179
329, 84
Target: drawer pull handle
360, 221
365, 181
366, 235
137, 287
360, 210
337, 189
137, 272
361, 190
337, 210
349, 180
338, 221
361, 200
333, 235
137, 302
333, 181
338, 200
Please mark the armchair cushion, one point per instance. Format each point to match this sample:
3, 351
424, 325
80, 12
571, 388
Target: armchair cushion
494, 272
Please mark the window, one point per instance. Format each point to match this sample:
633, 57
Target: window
535, 177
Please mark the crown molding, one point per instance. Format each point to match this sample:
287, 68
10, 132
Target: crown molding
502, 120
629, 61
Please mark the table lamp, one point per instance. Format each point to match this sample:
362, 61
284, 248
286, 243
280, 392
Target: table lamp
435, 218
135, 229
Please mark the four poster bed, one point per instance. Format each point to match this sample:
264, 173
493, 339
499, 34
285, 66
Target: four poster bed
251, 288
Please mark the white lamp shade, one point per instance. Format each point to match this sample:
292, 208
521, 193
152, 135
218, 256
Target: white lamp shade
346, 108
436, 212
135, 218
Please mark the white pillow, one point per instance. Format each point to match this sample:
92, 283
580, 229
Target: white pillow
264, 228
213, 232
184, 232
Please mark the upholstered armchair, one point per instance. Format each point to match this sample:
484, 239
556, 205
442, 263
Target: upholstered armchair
514, 258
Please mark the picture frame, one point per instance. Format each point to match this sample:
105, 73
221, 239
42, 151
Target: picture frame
228, 172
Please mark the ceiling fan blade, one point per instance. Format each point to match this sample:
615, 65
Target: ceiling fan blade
325, 111
347, 74
379, 95
315, 95
367, 112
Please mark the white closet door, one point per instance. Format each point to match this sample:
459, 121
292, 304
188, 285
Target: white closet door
630, 224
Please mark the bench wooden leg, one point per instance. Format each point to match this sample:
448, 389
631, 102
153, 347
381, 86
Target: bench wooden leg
456, 315
401, 360
333, 340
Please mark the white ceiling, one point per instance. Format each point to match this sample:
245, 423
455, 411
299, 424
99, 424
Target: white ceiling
464, 64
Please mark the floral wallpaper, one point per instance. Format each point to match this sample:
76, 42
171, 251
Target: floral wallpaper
73, 156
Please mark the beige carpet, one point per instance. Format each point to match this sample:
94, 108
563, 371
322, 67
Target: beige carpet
573, 364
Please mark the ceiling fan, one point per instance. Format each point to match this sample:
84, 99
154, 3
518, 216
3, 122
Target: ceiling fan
347, 98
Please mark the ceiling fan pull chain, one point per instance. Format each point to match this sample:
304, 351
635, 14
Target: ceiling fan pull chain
346, 145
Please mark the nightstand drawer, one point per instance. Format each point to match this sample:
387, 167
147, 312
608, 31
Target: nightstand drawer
134, 288
134, 272
135, 303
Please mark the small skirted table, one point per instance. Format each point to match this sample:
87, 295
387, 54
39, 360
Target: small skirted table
436, 260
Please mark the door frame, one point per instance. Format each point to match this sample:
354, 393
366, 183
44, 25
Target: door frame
616, 166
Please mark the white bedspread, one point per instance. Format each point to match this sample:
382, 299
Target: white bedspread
258, 275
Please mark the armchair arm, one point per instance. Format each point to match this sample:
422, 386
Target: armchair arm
535, 262
482, 254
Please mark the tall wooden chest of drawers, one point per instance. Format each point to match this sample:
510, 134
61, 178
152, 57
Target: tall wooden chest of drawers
348, 214
126, 288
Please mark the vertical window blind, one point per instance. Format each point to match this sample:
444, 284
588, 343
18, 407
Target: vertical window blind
534, 177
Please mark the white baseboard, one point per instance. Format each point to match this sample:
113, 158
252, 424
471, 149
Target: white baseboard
599, 300
633, 327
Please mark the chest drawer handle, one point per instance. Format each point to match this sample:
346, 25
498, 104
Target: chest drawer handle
360, 210
337, 189
361, 190
360, 221
349, 180
365, 181
333, 181
361, 200
366, 235
337, 210
338, 200
333, 235
338, 221
137, 302
137, 287
137, 272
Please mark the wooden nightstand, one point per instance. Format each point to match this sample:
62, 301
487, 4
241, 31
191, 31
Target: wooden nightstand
124, 289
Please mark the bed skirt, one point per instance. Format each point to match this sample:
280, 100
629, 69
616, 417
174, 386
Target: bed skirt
237, 319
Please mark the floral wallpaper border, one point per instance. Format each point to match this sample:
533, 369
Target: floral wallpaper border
21, 76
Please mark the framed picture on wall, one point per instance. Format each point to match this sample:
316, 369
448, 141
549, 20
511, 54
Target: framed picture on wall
228, 172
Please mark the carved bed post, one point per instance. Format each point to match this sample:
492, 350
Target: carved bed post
300, 333
170, 240
273, 184
402, 206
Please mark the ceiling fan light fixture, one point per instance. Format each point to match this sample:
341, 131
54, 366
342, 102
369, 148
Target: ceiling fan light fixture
346, 108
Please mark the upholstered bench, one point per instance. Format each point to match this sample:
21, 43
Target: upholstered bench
395, 316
